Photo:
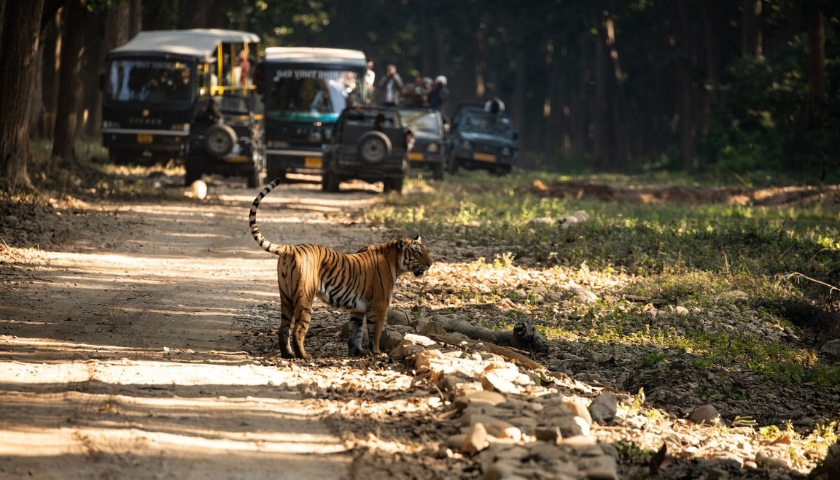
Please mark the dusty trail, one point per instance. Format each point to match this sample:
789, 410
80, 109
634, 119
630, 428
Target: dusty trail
120, 354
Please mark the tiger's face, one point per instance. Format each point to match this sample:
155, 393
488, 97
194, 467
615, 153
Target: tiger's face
414, 256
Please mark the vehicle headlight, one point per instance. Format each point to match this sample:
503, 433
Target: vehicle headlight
432, 148
466, 145
110, 124
506, 151
185, 127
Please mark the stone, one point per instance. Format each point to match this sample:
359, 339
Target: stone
419, 340
604, 407
705, 414
476, 439
432, 328
609, 449
681, 311
583, 295
389, 340
568, 426
478, 399
493, 382
599, 468
199, 189
581, 216
548, 434
410, 350
502, 429
769, 462
832, 348
470, 419
582, 424
397, 317
497, 471
419, 323
568, 221
450, 380
830, 468
456, 442
579, 410
546, 451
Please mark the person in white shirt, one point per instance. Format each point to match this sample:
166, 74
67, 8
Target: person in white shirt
393, 85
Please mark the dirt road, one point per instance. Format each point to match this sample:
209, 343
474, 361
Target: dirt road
122, 342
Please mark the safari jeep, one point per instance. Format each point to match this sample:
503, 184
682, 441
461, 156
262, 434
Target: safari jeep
369, 144
184, 94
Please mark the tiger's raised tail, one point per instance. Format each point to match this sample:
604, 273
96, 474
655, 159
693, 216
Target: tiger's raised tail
252, 221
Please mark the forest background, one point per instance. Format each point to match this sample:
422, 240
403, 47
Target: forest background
744, 88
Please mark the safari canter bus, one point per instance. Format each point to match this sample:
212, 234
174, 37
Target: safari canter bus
155, 85
304, 91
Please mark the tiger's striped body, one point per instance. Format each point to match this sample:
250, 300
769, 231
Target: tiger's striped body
362, 283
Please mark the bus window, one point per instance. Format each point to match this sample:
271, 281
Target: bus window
316, 94
149, 81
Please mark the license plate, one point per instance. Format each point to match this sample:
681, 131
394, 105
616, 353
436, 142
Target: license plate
236, 159
312, 162
484, 157
415, 156
145, 138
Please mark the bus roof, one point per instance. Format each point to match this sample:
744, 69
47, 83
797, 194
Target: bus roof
335, 56
195, 43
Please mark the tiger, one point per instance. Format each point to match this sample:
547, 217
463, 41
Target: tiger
362, 282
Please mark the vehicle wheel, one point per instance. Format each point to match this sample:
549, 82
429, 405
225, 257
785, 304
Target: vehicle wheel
500, 171
437, 171
330, 182
219, 140
191, 176
374, 147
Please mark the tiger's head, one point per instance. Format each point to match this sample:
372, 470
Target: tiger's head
413, 256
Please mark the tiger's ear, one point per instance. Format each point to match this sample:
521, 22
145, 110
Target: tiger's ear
401, 241
417, 239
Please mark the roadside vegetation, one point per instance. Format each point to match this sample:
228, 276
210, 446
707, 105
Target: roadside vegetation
735, 274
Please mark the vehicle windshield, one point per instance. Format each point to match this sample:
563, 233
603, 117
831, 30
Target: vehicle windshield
422, 121
149, 81
486, 123
310, 94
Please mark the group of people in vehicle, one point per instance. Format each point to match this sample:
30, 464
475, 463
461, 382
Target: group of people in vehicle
390, 91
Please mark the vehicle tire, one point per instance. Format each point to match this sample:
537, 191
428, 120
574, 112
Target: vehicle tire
374, 147
330, 182
219, 140
190, 176
437, 171
503, 170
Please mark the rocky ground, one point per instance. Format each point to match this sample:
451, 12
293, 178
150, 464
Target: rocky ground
139, 339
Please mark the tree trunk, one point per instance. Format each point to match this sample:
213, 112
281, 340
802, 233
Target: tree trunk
19, 51
36, 96
91, 111
2, 20
816, 55
686, 64
49, 76
135, 25
440, 46
615, 93
69, 79
602, 151
710, 41
751, 41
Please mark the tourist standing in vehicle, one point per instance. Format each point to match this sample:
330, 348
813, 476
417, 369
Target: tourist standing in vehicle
370, 76
415, 96
494, 105
392, 84
244, 68
439, 94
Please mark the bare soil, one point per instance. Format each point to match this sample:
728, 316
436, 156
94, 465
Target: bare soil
138, 340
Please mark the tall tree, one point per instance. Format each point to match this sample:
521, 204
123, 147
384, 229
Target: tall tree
136, 16
19, 49
64, 134
751, 35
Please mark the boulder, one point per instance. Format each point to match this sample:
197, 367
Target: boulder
604, 407
476, 439
397, 317
832, 348
432, 328
705, 414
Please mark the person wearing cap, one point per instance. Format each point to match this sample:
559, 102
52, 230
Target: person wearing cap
439, 94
